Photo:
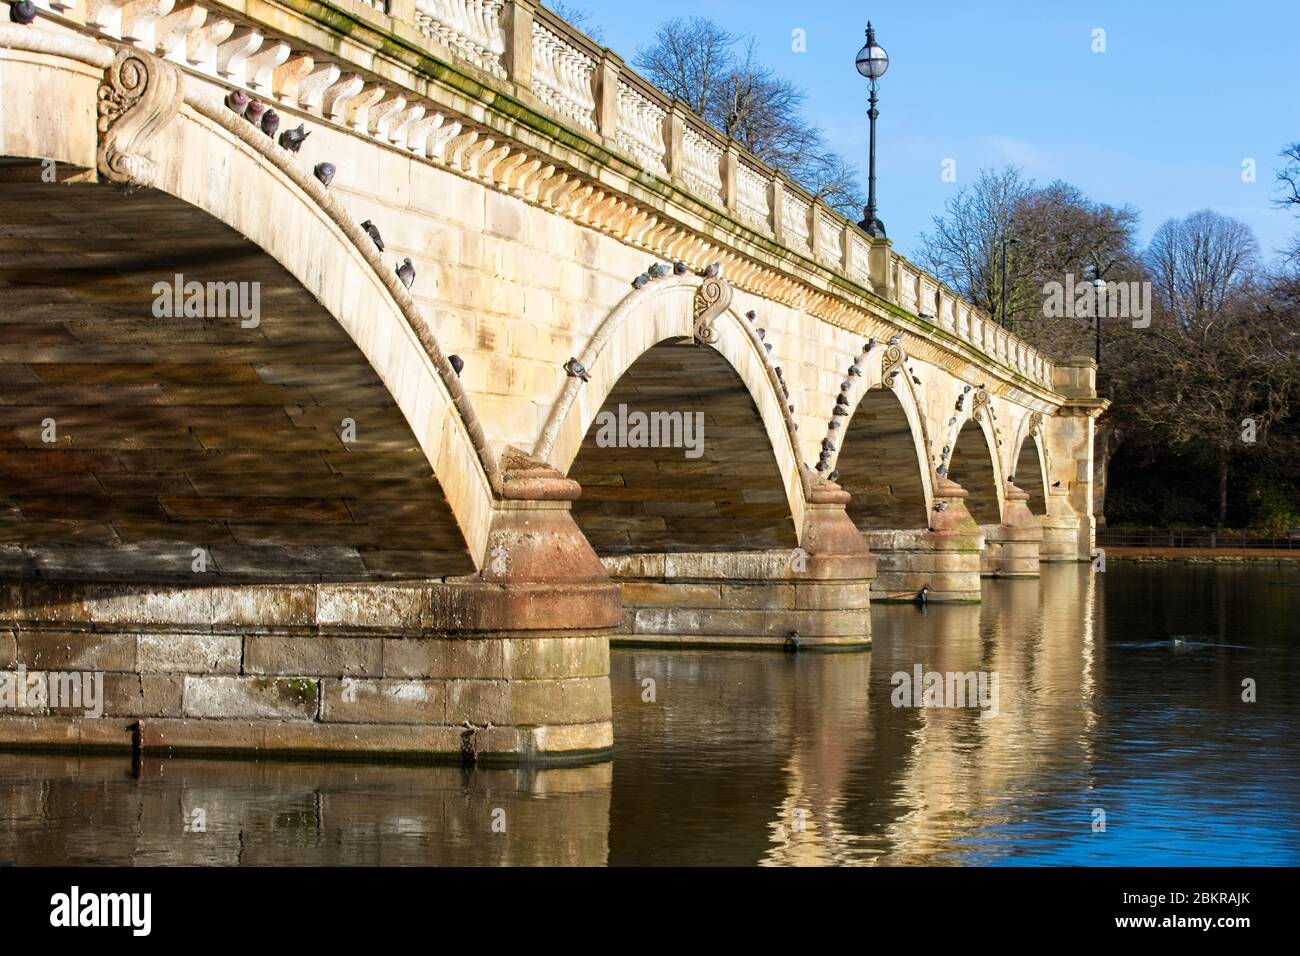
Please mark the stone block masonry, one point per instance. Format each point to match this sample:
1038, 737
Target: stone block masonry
429, 671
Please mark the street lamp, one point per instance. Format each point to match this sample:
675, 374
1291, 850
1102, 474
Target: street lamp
872, 62
1006, 241
1098, 287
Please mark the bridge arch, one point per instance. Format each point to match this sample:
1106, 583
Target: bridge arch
248, 184
1029, 468
978, 469
650, 336
881, 461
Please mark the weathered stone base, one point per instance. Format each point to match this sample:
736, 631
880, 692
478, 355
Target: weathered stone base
1065, 538
750, 599
948, 563
429, 671
1010, 552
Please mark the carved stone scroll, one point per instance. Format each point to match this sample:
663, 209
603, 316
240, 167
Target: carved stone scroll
711, 299
140, 95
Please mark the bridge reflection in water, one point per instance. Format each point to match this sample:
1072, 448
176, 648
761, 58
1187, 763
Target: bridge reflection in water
750, 757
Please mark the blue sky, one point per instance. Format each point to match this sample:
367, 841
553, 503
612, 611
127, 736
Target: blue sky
1162, 120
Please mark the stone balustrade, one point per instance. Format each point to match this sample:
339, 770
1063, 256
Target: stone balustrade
589, 89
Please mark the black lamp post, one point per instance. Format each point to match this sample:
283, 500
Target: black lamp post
1098, 287
872, 62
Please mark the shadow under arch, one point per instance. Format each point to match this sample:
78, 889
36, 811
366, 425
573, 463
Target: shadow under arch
208, 157
881, 465
749, 472
171, 432
723, 493
1029, 469
976, 471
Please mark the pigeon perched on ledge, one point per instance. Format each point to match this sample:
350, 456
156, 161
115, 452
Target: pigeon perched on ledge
325, 173
406, 272
270, 123
237, 100
576, 369
896, 339
457, 363
713, 271
369, 229
253, 112
23, 12
292, 139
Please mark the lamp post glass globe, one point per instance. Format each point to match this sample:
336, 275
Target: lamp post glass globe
872, 61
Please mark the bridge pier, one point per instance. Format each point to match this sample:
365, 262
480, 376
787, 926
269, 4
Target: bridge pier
1011, 548
507, 666
944, 558
820, 591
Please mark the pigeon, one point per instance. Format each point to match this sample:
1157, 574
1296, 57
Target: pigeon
966, 389
270, 123
457, 363
785, 390
854, 370
761, 333
406, 272
916, 380
1011, 479
953, 420
369, 229
942, 471
841, 399
292, 139
857, 360
751, 315
895, 340
253, 112
834, 475
871, 344
768, 346
960, 402
713, 271
779, 372
658, 270
575, 369
679, 268
23, 12
324, 172
845, 386
1056, 484
237, 100
839, 410
822, 466
941, 506
640, 281
791, 407
832, 424
828, 445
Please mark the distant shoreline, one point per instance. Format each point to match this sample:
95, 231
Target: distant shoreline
1204, 555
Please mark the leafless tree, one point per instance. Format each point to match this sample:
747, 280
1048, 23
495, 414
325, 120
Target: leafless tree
697, 62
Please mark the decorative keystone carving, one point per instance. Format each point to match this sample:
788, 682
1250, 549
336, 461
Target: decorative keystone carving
711, 299
892, 365
1035, 423
139, 96
978, 403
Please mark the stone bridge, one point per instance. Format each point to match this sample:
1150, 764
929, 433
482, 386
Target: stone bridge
363, 517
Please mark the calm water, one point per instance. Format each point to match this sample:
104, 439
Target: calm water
759, 758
